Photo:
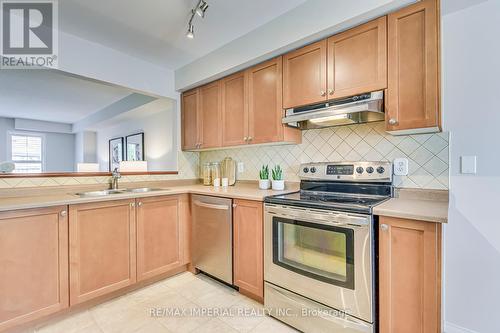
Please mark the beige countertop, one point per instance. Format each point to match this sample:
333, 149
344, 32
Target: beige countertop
248, 191
432, 209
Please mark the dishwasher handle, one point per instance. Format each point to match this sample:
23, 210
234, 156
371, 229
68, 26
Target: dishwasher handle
210, 206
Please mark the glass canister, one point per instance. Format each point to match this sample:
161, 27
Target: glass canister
215, 174
207, 174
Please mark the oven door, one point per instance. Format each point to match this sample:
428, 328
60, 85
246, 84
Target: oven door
322, 255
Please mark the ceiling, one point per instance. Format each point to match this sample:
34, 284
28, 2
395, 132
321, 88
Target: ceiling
36, 94
154, 30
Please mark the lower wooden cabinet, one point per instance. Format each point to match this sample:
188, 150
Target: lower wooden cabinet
161, 235
33, 264
102, 248
409, 276
248, 245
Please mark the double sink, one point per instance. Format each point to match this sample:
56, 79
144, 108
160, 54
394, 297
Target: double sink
104, 193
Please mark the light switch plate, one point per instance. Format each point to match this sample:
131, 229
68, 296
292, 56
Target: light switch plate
241, 167
468, 164
401, 166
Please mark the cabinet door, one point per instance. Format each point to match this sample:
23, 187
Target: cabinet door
265, 102
357, 60
413, 85
102, 247
190, 120
409, 276
160, 236
304, 75
248, 248
211, 115
234, 110
33, 264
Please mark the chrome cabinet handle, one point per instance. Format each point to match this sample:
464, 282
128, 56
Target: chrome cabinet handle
384, 227
322, 93
63, 213
132, 204
245, 138
139, 204
235, 205
393, 121
250, 138
330, 91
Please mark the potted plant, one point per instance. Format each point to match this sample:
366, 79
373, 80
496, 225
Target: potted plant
264, 183
278, 182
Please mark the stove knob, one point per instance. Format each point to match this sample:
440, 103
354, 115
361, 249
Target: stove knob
306, 170
369, 170
313, 170
380, 169
360, 170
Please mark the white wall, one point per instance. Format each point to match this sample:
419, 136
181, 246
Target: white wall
92, 60
471, 74
85, 147
59, 147
158, 121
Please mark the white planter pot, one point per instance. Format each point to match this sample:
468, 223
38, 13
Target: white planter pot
278, 185
264, 184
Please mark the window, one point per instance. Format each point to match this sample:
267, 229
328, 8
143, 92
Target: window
27, 152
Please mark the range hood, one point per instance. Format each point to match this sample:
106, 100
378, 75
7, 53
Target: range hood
357, 109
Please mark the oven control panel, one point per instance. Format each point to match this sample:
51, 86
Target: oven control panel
348, 171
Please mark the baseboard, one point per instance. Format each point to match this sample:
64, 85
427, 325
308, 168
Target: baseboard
452, 328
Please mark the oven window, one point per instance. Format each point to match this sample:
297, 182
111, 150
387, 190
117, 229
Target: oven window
325, 253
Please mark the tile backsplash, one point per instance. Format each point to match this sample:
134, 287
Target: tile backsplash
427, 153
188, 165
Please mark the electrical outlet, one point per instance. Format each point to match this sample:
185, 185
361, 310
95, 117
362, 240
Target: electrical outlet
401, 166
241, 167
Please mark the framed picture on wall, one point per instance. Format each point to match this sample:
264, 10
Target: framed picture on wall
115, 153
135, 147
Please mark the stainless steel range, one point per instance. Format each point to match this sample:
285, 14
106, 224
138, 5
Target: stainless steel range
319, 247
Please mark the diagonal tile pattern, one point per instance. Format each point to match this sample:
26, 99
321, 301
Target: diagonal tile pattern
188, 165
427, 153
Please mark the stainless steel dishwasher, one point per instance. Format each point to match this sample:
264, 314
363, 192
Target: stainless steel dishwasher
213, 236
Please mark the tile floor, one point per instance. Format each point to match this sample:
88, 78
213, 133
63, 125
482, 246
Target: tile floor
185, 295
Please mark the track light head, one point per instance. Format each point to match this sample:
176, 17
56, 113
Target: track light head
202, 8
190, 32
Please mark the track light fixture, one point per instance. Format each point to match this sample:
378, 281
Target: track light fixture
199, 10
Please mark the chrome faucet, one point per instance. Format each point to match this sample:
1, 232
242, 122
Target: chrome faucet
114, 179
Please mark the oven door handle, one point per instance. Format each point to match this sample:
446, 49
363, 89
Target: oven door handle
336, 220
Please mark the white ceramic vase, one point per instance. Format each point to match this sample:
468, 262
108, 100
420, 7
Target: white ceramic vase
278, 185
264, 184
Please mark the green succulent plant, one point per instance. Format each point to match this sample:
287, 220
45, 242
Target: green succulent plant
277, 173
264, 172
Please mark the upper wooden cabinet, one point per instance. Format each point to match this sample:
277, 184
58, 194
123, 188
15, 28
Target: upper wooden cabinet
304, 75
248, 248
409, 276
412, 105
33, 264
248, 104
357, 60
102, 248
265, 105
190, 120
210, 115
234, 110
161, 235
